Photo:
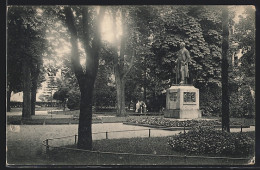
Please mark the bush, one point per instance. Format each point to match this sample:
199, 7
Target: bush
74, 101
160, 121
207, 140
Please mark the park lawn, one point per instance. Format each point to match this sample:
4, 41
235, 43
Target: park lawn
76, 112
19, 109
154, 145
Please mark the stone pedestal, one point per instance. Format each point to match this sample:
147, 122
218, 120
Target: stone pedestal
182, 102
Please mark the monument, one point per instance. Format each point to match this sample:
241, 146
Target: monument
182, 100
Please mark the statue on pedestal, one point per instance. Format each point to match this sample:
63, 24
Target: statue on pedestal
182, 100
183, 59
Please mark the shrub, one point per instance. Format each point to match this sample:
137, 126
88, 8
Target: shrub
207, 140
74, 100
160, 121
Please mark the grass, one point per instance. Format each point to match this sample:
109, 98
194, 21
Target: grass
75, 113
154, 145
96, 113
19, 109
17, 120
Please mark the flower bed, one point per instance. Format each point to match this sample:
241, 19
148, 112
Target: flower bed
207, 140
160, 121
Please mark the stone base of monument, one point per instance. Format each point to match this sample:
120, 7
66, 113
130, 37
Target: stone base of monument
182, 114
182, 102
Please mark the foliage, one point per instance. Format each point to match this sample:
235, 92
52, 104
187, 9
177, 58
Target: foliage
105, 90
62, 95
242, 77
69, 85
242, 103
25, 46
104, 93
74, 100
160, 121
210, 103
199, 27
42, 97
153, 145
188, 28
25, 40
123, 50
206, 140
105, 96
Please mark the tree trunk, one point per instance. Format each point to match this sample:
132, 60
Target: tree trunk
85, 79
85, 116
120, 90
33, 97
26, 113
35, 72
9, 100
225, 65
64, 105
145, 79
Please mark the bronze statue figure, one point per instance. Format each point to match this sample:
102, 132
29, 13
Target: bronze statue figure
183, 59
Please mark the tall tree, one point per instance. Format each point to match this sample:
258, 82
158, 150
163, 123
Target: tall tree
91, 39
37, 71
105, 88
26, 112
121, 53
18, 17
25, 47
14, 69
224, 73
145, 18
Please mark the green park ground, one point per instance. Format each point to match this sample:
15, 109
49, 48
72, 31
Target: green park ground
122, 137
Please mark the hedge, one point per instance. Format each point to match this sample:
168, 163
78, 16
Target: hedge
207, 140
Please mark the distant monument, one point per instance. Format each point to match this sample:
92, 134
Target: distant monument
182, 100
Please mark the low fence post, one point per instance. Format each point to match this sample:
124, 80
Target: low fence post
241, 128
171, 160
98, 155
128, 159
106, 135
75, 139
47, 146
149, 133
184, 129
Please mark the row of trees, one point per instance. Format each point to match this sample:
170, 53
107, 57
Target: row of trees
25, 46
144, 42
